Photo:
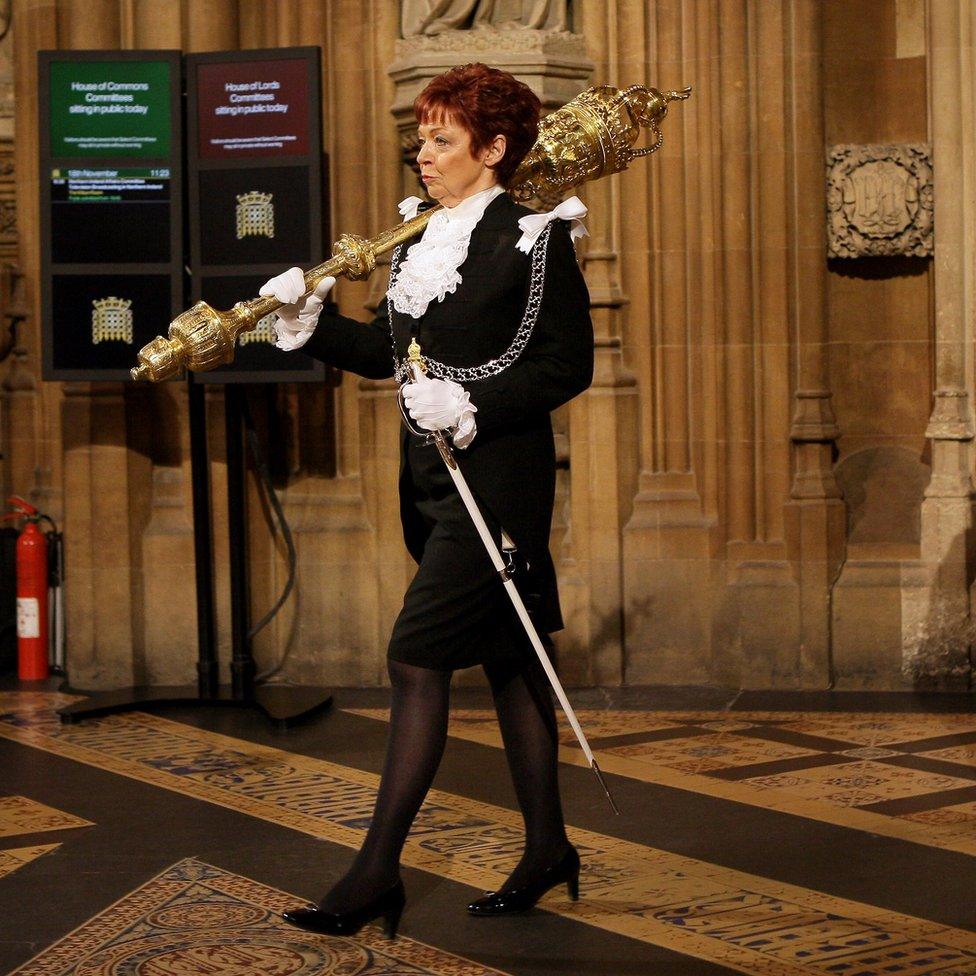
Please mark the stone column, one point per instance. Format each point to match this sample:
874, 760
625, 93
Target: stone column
88, 24
936, 636
12, 352
104, 622
18, 391
672, 330
151, 25
601, 421
815, 516
704, 552
762, 139
211, 25
35, 461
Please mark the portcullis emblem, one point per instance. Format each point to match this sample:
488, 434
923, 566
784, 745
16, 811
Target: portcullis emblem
255, 214
264, 331
111, 320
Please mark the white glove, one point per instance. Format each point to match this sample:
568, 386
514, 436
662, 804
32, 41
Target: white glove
436, 404
298, 316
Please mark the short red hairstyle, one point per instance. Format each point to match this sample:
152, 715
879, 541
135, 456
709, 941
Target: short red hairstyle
488, 103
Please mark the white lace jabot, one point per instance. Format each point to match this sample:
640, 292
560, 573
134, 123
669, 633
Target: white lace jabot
430, 269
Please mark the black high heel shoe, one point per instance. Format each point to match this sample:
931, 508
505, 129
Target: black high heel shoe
523, 898
389, 904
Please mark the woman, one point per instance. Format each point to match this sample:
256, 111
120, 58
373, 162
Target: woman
501, 311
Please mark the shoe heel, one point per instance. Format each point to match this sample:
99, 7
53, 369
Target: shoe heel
391, 920
572, 887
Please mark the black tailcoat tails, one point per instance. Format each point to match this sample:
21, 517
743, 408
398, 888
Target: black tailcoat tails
455, 612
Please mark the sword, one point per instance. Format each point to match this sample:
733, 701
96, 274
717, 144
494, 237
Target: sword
414, 358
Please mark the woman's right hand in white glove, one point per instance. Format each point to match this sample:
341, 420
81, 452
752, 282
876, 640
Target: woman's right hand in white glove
299, 313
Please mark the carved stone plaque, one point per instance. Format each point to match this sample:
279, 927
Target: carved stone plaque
879, 200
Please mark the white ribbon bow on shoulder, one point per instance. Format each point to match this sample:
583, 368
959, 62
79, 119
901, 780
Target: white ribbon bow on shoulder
573, 210
408, 208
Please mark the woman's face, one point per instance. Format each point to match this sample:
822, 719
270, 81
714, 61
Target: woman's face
449, 171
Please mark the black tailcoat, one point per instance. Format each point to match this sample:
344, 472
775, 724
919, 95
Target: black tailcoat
455, 612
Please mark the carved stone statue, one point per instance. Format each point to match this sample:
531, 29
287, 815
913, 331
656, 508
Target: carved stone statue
437, 16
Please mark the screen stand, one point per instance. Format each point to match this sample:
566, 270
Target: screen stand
283, 705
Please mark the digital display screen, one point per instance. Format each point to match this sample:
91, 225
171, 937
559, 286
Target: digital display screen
103, 215
254, 186
101, 321
255, 216
252, 108
101, 109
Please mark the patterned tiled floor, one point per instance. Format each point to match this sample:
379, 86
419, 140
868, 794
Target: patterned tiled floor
20, 815
909, 776
17, 857
198, 919
702, 910
958, 818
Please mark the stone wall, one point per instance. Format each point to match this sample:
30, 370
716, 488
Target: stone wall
759, 489
879, 327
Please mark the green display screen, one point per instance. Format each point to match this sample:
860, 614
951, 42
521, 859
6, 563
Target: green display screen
110, 108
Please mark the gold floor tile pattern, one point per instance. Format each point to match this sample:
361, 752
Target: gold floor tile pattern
702, 754
21, 815
956, 754
873, 729
707, 746
859, 783
738, 920
960, 817
198, 919
17, 857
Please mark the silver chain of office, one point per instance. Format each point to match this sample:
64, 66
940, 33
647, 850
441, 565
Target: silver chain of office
465, 374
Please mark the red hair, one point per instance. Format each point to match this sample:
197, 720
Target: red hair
487, 103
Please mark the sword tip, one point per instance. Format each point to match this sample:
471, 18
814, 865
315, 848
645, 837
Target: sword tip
606, 789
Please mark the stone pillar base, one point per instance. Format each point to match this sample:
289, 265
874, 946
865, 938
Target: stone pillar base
668, 583
816, 532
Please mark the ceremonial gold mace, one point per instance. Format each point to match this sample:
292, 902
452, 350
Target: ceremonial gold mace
589, 137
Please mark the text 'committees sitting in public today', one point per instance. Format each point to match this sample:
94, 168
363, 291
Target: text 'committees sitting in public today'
251, 98
109, 98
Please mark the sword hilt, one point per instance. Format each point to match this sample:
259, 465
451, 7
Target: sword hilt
414, 356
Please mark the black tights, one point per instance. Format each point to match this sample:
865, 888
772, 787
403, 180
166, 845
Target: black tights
527, 719
417, 735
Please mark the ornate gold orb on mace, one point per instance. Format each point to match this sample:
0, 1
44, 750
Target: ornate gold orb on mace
590, 137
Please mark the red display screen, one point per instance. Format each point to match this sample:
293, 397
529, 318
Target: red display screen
252, 108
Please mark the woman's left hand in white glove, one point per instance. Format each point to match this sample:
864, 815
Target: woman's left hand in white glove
435, 404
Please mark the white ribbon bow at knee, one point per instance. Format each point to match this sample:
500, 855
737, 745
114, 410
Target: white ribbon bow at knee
573, 210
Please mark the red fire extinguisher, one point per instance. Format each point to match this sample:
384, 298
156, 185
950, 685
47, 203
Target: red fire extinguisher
32, 584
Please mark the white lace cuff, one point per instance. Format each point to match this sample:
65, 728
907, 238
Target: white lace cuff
288, 339
573, 210
466, 427
293, 328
